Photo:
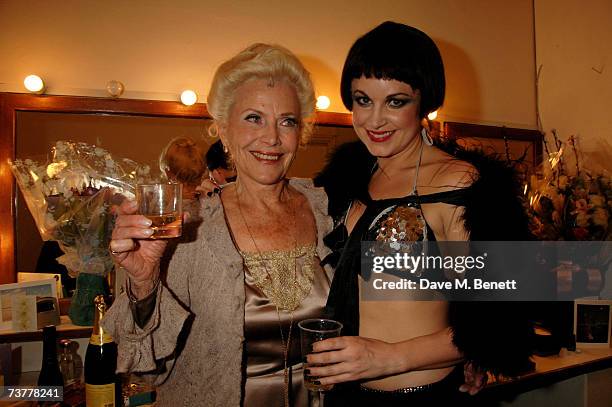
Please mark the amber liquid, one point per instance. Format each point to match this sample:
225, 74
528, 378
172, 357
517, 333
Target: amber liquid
166, 226
309, 380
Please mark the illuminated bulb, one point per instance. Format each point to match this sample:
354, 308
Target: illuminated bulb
34, 84
323, 102
432, 115
115, 88
189, 97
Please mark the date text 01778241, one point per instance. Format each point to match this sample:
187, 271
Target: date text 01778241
28, 393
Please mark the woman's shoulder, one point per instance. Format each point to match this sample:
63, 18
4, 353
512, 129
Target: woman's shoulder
306, 187
449, 172
495, 188
316, 196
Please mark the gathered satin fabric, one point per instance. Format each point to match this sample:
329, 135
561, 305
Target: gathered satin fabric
265, 383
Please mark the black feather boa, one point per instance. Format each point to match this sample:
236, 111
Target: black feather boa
495, 336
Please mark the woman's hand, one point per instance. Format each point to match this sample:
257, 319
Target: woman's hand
352, 358
208, 186
475, 379
139, 257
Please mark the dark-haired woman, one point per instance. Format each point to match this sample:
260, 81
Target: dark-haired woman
397, 185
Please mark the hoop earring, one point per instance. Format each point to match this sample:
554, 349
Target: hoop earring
426, 137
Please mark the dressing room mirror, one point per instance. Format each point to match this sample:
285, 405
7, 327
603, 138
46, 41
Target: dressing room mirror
135, 129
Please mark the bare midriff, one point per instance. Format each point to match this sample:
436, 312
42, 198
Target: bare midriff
397, 321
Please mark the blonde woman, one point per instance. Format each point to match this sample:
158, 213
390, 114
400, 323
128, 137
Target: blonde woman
219, 326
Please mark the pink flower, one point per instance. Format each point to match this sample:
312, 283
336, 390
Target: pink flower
580, 205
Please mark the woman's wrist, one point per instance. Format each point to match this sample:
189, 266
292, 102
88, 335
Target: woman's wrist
401, 357
139, 290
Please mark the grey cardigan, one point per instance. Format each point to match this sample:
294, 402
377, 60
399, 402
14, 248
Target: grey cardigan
192, 345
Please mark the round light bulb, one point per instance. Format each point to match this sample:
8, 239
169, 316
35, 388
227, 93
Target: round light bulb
323, 102
115, 88
432, 115
34, 84
189, 97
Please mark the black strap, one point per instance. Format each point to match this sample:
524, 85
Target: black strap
343, 301
453, 197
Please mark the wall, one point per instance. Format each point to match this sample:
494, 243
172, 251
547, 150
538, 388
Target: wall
574, 48
158, 48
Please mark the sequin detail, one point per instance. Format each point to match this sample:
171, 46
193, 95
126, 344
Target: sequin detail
277, 275
403, 224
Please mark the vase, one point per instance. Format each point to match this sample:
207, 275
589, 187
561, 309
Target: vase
81, 310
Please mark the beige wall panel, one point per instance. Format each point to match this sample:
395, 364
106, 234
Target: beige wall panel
158, 48
574, 48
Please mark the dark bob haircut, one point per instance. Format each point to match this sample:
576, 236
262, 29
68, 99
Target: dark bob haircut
400, 52
216, 157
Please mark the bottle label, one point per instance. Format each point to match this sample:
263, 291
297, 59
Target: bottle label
100, 395
97, 339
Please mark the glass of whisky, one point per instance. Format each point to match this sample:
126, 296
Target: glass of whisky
162, 203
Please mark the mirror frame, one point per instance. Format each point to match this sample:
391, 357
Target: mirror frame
11, 103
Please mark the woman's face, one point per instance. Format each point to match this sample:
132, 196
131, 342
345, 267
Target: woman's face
385, 115
263, 130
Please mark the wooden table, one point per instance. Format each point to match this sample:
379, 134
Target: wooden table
552, 377
66, 330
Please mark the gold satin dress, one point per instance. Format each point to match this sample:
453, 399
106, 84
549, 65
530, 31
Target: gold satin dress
286, 285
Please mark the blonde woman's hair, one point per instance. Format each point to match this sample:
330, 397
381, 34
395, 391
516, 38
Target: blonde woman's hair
184, 159
261, 61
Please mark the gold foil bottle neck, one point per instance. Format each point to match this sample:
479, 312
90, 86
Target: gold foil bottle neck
99, 336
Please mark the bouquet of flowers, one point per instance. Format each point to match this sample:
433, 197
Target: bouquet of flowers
71, 197
569, 201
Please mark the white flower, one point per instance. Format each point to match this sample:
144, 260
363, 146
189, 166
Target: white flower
50, 223
54, 169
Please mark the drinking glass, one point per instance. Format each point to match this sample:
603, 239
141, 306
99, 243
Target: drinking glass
311, 331
162, 204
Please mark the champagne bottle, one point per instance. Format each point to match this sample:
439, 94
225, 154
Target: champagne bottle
102, 384
50, 374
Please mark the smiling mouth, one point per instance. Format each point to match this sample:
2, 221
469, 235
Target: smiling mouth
266, 157
379, 136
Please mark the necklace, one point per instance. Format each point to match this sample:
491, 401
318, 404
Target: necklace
278, 292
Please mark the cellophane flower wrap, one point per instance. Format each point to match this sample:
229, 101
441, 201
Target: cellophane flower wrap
71, 197
571, 199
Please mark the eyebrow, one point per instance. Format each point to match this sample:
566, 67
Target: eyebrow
251, 110
389, 96
402, 94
